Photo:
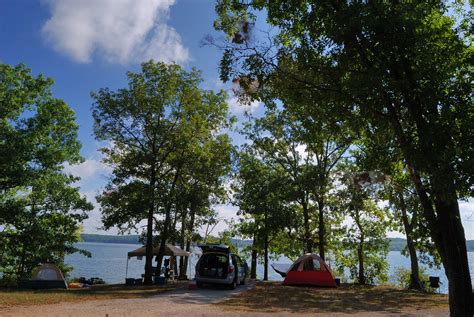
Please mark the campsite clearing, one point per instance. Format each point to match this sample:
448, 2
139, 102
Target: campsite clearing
346, 299
249, 300
9, 298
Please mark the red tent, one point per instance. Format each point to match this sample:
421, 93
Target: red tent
309, 269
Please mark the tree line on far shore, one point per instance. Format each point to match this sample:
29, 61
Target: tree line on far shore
395, 244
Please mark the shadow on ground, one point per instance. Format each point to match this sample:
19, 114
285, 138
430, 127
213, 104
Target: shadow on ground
349, 299
13, 297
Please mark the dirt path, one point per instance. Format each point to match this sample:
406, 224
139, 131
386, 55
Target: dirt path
181, 302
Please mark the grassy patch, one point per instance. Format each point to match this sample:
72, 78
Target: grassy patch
349, 299
9, 298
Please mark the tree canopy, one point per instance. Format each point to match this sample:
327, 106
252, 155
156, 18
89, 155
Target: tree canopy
401, 69
40, 209
158, 128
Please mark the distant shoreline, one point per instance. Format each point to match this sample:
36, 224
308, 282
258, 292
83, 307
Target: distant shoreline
396, 244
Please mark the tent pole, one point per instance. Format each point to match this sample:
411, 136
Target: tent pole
126, 270
189, 266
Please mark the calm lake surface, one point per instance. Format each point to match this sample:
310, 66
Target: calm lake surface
109, 262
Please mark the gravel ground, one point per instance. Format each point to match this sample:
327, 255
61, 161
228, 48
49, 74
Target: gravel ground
180, 302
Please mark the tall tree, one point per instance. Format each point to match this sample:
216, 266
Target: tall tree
307, 154
364, 246
275, 139
401, 67
407, 211
258, 194
40, 209
202, 185
153, 127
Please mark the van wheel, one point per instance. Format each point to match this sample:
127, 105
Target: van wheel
233, 285
242, 282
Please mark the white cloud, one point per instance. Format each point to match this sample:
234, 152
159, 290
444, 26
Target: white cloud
301, 149
93, 223
88, 169
224, 213
238, 108
122, 31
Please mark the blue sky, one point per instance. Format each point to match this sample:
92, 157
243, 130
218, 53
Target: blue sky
85, 45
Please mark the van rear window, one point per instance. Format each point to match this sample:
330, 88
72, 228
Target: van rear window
214, 265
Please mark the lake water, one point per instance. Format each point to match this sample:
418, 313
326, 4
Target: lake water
109, 261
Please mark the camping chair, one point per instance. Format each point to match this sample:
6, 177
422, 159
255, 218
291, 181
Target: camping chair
435, 283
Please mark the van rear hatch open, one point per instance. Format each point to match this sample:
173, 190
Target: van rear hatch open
215, 248
213, 265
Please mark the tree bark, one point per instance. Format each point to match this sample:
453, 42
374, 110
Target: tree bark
307, 233
445, 228
455, 262
149, 232
166, 225
360, 248
265, 246
163, 240
415, 282
182, 259
253, 263
445, 223
360, 254
190, 229
321, 233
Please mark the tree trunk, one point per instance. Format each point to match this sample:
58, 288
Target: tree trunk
253, 263
182, 259
265, 261
415, 282
446, 230
360, 248
265, 246
190, 229
445, 224
149, 232
21, 267
167, 223
321, 233
163, 240
448, 234
186, 259
360, 254
455, 262
307, 233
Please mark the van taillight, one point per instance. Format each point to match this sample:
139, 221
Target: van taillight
231, 269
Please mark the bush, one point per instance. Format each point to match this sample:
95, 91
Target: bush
402, 277
8, 281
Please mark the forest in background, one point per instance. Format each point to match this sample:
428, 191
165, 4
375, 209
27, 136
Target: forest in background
396, 244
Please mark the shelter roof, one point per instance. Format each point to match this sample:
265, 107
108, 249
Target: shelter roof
170, 250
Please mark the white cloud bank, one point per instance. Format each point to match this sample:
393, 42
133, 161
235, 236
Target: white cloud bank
89, 169
122, 31
238, 108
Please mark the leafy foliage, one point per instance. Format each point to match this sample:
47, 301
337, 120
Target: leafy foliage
40, 209
363, 247
399, 71
167, 151
402, 277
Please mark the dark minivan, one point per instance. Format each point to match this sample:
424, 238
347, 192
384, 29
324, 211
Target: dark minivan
218, 265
